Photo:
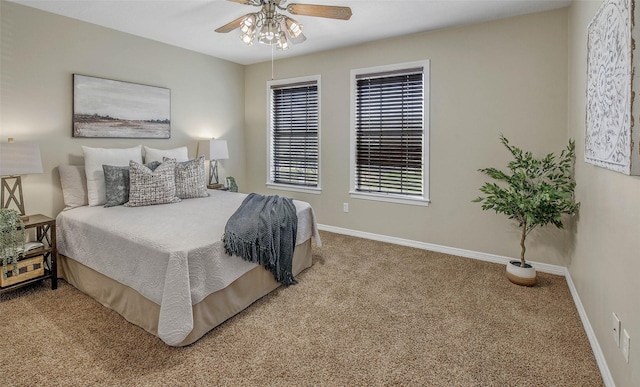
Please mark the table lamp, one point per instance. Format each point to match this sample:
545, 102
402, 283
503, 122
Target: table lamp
213, 150
16, 159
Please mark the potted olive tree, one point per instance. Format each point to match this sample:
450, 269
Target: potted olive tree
534, 192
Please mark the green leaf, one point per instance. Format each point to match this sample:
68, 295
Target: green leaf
534, 192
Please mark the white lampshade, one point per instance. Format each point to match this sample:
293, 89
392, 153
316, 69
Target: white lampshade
213, 149
19, 158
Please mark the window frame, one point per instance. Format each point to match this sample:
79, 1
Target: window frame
284, 82
422, 200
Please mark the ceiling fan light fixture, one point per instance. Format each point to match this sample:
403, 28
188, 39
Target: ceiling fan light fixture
268, 33
276, 29
248, 37
297, 40
293, 27
249, 23
282, 43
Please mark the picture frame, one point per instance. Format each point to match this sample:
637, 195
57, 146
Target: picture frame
611, 141
107, 108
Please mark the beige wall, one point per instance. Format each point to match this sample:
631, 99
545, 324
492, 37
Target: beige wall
508, 76
605, 264
41, 51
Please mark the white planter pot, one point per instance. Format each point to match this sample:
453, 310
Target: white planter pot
525, 276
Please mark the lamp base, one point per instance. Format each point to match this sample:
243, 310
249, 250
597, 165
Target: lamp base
14, 193
213, 172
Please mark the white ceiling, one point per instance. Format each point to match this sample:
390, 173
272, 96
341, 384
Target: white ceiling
191, 23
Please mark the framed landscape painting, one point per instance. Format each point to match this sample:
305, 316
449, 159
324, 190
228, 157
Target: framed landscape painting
115, 109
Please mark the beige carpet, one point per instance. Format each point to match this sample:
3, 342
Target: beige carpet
366, 313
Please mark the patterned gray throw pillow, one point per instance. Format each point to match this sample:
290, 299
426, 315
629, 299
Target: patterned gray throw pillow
116, 181
191, 181
149, 187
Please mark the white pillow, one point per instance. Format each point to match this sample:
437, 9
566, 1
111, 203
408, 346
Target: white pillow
179, 154
74, 185
95, 158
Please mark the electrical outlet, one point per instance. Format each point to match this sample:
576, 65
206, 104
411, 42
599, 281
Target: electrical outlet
615, 323
345, 207
625, 345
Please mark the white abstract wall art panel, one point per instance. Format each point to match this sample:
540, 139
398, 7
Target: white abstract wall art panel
610, 140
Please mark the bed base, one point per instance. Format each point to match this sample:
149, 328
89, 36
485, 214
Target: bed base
207, 314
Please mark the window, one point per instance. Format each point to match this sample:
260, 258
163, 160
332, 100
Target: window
294, 125
389, 133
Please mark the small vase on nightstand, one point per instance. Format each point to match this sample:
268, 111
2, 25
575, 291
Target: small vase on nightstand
231, 184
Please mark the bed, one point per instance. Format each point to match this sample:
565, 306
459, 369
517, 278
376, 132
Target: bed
163, 267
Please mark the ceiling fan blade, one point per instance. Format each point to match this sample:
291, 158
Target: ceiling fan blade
245, 2
328, 11
232, 25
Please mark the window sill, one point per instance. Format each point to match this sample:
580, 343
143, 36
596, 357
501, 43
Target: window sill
293, 188
418, 201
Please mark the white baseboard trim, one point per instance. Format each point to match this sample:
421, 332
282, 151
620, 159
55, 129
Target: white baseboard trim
591, 335
542, 267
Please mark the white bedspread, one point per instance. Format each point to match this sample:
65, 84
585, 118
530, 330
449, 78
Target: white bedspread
171, 254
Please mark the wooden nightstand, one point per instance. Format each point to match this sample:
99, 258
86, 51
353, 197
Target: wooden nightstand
46, 234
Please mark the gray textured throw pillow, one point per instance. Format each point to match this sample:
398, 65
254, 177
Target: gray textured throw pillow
149, 187
191, 181
116, 181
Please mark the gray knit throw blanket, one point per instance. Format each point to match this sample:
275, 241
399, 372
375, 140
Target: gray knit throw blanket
263, 230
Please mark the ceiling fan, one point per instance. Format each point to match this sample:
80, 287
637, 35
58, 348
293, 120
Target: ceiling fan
274, 28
